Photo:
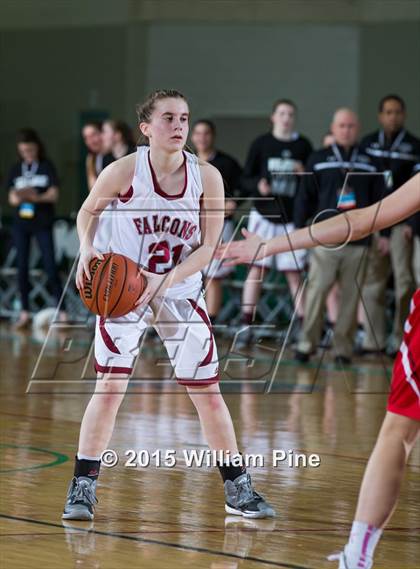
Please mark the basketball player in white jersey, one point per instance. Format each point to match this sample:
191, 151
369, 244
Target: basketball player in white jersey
168, 211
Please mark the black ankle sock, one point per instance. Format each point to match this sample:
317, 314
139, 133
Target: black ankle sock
88, 468
230, 472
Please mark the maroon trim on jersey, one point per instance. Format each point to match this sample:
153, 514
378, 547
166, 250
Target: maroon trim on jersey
108, 341
203, 315
126, 197
198, 382
157, 187
112, 369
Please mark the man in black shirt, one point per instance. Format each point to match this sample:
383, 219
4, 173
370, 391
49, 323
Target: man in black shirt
414, 223
203, 137
270, 178
338, 178
394, 151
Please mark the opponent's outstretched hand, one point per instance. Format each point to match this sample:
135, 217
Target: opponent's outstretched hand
247, 250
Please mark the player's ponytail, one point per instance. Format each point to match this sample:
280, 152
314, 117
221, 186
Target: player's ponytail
144, 110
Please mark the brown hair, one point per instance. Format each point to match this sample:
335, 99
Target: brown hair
279, 102
125, 131
29, 135
144, 110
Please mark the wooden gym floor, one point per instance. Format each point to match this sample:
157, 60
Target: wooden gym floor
174, 517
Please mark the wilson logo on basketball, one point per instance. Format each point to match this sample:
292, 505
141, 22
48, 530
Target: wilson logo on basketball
88, 285
111, 282
114, 287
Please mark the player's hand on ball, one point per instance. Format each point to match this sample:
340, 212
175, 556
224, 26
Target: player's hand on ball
86, 255
156, 285
246, 251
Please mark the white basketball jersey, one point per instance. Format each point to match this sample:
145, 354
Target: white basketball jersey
154, 229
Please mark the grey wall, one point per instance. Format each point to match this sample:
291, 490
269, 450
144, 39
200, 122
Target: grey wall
49, 77
231, 72
390, 63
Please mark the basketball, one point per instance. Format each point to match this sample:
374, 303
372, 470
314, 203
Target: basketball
115, 286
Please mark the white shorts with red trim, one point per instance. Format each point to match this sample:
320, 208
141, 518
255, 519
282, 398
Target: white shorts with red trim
290, 261
182, 324
404, 398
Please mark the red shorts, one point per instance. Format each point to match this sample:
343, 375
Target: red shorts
404, 398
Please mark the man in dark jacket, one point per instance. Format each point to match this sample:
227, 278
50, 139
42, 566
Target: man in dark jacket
394, 152
338, 178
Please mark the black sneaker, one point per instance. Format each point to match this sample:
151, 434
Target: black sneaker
81, 499
302, 357
242, 500
342, 360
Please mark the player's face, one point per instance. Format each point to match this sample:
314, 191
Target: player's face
28, 151
168, 126
284, 117
202, 137
108, 137
345, 128
92, 138
392, 116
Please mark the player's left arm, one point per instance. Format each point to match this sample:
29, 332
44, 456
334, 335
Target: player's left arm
212, 215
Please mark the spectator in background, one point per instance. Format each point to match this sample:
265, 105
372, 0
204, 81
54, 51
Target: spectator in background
203, 137
394, 152
270, 178
337, 184
333, 296
92, 137
33, 190
117, 140
414, 223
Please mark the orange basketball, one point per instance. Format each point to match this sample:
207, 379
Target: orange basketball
114, 286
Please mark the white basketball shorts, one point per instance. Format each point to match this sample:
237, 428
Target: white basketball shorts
291, 261
182, 324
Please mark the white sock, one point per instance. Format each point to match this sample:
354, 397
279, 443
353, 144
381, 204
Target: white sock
86, 457
361, 545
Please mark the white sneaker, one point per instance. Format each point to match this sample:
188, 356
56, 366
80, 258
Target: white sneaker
344, 564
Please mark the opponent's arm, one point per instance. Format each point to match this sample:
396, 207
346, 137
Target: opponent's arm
212, 215
349, 226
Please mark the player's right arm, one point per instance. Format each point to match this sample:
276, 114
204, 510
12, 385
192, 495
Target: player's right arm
349, 226
115, 179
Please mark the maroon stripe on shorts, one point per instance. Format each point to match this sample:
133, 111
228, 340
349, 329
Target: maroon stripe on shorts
112, 369
108, 341
198, 382
203, 315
